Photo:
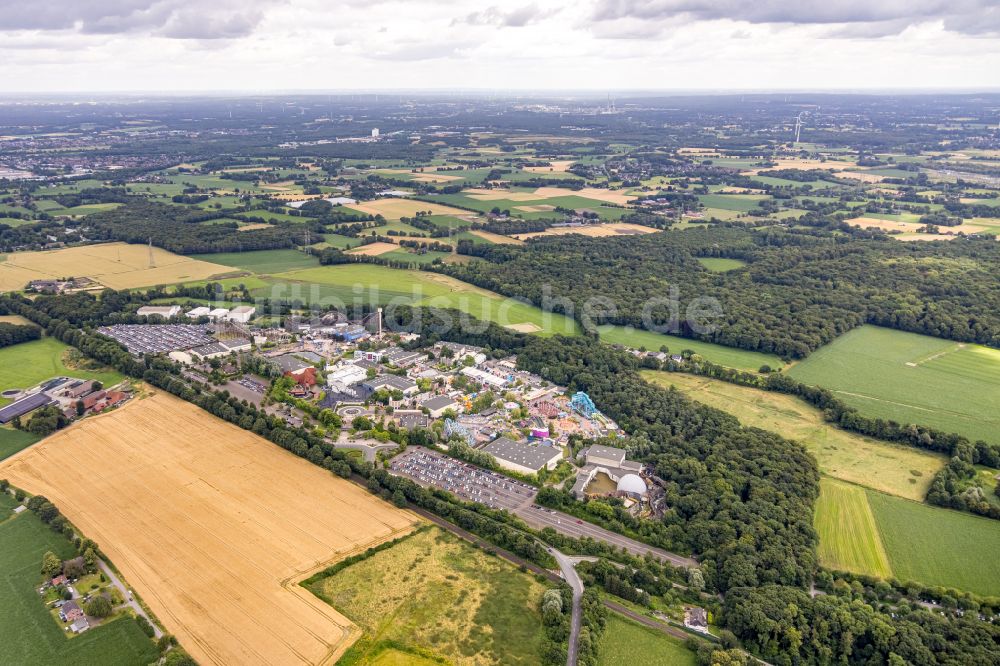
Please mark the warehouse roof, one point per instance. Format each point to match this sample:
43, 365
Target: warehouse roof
534, 457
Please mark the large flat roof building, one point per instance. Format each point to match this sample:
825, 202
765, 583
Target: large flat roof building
521, 457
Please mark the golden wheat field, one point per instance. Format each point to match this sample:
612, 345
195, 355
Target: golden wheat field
212, 525
115, 265
593, 230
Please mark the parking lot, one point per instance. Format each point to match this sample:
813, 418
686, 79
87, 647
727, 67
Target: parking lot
467, 481
157, 338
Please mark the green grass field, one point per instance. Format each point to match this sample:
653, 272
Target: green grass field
380, 284
866, 531
12, 441
721, 264
911, 378
262, 261
728, 356
28, 634
735, 202
27, 364
849, 540
938, 547
897, 470
628, 643
432, 598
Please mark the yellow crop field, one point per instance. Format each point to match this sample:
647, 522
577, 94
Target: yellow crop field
393, 209
593, 230
115, 265
212, 525
375, 249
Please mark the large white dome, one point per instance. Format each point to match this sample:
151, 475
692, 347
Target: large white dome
632, 484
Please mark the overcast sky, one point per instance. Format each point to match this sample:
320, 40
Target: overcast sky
259, 45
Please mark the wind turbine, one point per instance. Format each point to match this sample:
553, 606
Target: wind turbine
798, 125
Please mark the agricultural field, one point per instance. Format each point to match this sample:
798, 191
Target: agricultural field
849, 539
721, 264
25, 365
922, 543
432, 598
115, 265
911, 378
740, 203
897, 470
381, 284
28, 633
206, 521
592, 230
393, 209
727, 356
628, 643
261, 261
12, 441
938, 547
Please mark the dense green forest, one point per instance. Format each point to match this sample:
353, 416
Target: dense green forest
182, 231
800, 290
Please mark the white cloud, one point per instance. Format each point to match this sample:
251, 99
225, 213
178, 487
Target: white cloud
484, 44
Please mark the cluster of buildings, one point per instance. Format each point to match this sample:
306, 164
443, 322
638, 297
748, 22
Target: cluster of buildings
240, 314
74, 398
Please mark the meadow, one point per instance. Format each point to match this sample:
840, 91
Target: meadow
897, 470
26, 364
727, 356
12, 441
433, 598
261, 261
866, 531
721, 264
207, 521
628, 643
28, 634
372, 283
937, 546
911, 378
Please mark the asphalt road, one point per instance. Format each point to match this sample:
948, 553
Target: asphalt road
571, 526
566, 565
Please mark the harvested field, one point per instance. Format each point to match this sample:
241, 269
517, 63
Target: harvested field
495, 238
393, 209
911, 228
254, 226
375, 249
593, 230
860, 175
115, 265
497, 195
212, 525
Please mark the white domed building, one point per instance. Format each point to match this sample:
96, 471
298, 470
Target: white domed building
633, 486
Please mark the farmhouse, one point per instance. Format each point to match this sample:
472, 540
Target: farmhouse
438, 405
165, 311
70, 611
521, 457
